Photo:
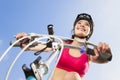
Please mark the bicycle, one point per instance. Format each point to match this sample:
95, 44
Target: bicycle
39, 68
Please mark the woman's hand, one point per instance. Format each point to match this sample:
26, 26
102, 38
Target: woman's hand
20, 35
102, 48
35, 48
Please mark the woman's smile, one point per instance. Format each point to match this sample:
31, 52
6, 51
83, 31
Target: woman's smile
81, 29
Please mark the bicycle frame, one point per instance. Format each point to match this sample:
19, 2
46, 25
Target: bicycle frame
38, 67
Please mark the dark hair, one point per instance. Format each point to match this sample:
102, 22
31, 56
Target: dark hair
84, 16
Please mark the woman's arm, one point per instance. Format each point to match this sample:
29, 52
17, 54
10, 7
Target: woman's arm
39, 47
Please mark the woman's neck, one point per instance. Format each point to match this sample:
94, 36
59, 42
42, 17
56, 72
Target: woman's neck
77, 41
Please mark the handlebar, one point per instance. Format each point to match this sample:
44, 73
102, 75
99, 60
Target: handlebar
87, 49
57, 45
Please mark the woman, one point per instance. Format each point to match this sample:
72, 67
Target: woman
73, 63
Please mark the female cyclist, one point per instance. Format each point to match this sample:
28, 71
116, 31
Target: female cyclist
73, 63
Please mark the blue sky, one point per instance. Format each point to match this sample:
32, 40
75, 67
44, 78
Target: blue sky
34, 16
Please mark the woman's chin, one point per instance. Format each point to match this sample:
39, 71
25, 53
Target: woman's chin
80, 35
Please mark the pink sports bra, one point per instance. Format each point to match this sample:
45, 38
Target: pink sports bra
73, 64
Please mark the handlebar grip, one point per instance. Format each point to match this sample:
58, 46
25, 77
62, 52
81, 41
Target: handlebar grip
102, 56
90, 51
